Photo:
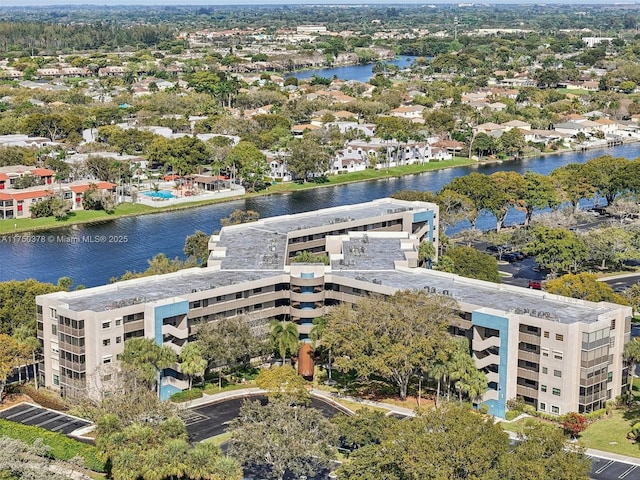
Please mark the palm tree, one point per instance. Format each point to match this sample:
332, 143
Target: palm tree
632, 354
319, 325
32, 344
284, 338
192, 363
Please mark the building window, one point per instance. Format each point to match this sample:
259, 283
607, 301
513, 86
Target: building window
610, 377
54, 329
56, 379
556, 392
118, 339
106, 342
545, 370
555, 410
559, 337
106, 324
543, 388
238, 295
52, 312
613, 324
257, 290
118, 322
106, 359
542, 407
557, 355
545, 352
546, 334
557, 373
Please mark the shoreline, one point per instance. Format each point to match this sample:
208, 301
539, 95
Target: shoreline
281, 189
105, 218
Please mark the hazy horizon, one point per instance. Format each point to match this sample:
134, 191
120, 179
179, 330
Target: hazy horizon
110, 3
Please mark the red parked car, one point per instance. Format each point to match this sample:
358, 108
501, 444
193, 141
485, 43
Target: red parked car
535, 284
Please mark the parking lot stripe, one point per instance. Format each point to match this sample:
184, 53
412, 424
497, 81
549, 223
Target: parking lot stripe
57, 417
11, 417
624, 475
44, 412
605, 466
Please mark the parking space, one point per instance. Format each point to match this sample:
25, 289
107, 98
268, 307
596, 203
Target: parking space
603, 469
29, 414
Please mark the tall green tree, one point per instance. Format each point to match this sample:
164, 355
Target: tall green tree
284, 338
250, 163
455, 208
10, 356
539, 193
197, 246
477, 188
229, 342
557, 249
192, 363
393, 338
449, 442
632, 354
544, 452
148, 358
573, 182
283, 437
308, 158
469, 262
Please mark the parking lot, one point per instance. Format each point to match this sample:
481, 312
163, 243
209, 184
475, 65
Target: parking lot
29, 414
604, 469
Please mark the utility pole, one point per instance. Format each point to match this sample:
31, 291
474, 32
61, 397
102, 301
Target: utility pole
455, 28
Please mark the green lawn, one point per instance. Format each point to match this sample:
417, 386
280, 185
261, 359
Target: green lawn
610, 434
128, 209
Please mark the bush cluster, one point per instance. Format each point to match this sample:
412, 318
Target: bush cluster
186, 395
45, 399
62, 447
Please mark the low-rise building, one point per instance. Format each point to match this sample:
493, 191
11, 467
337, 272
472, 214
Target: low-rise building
559, 354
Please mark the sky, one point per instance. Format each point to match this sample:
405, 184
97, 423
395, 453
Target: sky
22, 3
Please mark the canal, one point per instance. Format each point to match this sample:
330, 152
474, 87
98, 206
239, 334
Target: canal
140, 238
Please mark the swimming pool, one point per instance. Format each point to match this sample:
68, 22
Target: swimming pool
163, 194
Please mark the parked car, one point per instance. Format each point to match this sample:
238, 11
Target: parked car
519, 255
535, 284
510, 257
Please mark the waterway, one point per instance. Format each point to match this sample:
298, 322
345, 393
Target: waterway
361, 73
68, 251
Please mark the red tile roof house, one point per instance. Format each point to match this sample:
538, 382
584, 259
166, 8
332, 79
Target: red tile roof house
16, 203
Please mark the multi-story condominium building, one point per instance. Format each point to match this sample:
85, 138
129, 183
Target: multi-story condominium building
559, 354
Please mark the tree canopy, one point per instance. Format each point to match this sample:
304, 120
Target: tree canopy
393, 338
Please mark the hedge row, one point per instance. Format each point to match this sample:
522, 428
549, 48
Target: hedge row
186, 395
62, 447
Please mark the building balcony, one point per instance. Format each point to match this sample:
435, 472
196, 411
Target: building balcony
298, 313
529, 338
529, 356
526, 391
479, 344
307, 297
75, 366
528, 374
181, 333
484, 361
307, 282
588, 399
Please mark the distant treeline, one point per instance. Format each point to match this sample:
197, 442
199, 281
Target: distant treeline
27, 38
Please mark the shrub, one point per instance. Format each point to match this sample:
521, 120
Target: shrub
574, 423
186, 396
511, 414
45, 398
597, 414
62, 447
